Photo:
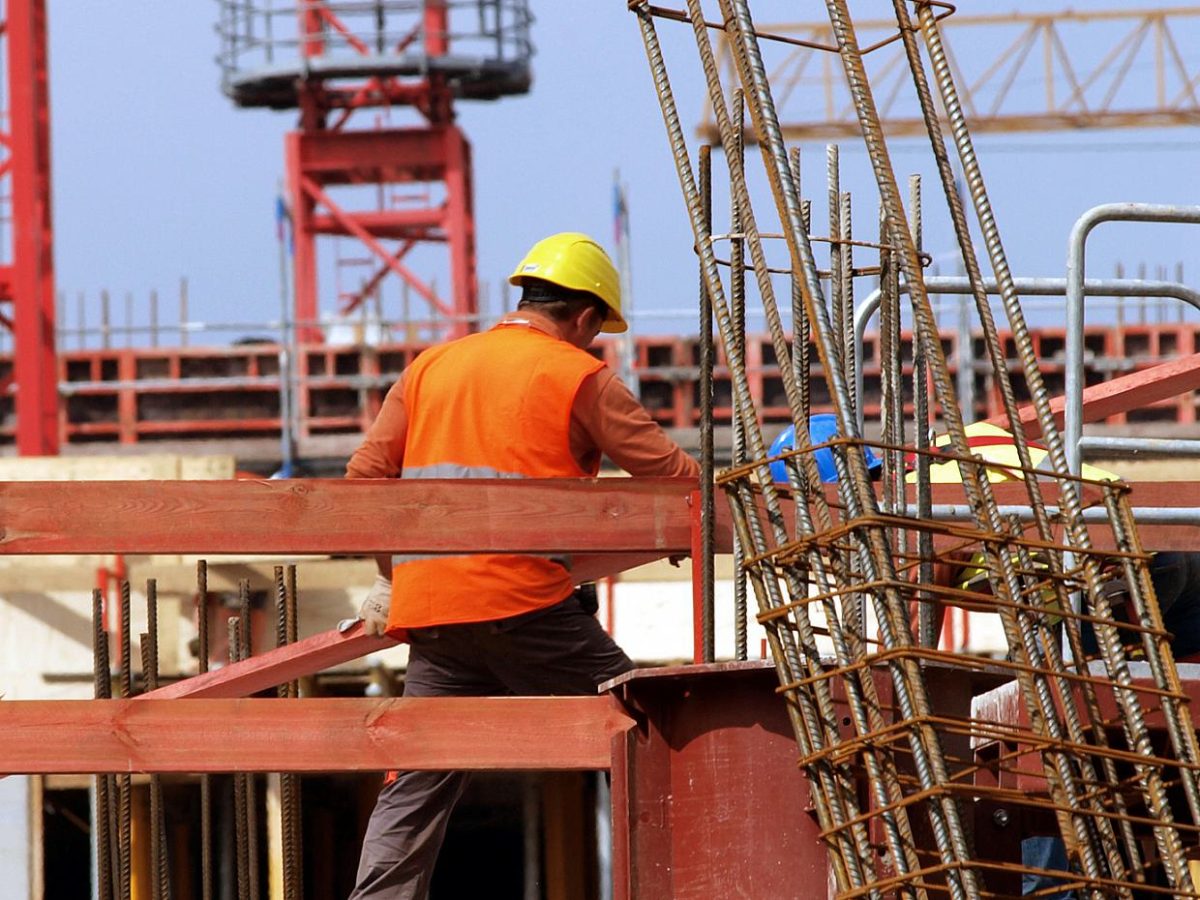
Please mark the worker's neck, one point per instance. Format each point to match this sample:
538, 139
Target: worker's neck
540, 321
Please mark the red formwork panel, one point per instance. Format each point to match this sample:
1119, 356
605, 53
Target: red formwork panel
708, 798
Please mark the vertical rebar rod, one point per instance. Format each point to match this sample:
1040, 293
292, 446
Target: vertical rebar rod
874, 553
287, 784
160, 870
241, 827
896, 825
737, 301
102, 691
927, 612
848, 353
202, 653
1115, 660
124, 782
707, 507
297, 809
249, 792
849, 851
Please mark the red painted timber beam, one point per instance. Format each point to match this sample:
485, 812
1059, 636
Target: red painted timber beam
317, 735
1121, 394
645, 517
266, 670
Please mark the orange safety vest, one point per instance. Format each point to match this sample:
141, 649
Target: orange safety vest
490, 405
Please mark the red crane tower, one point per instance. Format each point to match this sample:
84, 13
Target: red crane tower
331, 59
26, 245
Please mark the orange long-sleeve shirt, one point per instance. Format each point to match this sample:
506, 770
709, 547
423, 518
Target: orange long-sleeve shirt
605, 419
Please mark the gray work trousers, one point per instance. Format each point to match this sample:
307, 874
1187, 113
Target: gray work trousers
555, 651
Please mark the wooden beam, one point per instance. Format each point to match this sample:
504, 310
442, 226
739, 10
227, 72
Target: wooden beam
1121, 394
266, 670
317, 735
625, 515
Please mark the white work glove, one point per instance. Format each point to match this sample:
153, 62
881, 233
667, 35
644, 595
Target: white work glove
374, 610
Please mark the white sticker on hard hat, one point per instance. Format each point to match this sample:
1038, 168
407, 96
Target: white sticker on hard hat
529, 267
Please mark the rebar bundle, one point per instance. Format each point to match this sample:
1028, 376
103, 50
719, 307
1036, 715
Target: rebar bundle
850, 577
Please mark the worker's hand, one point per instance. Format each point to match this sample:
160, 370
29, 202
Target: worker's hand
374, 610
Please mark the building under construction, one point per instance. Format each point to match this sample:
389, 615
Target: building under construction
919, 654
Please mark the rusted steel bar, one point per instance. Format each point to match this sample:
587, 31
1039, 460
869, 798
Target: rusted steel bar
289, 786
103, 783
241, 827
203, 651
160, 872
124, 783
707, 504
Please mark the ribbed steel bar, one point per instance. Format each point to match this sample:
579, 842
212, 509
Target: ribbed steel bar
124, 782
737, 302
160, 872
846, 329
1115, 659
849, 848
102, 690
294, 806
707, 500
864, 705
839, 314
1049, 655
854, 484
241, 826
287, 781
927, 635
203, 650
245, 650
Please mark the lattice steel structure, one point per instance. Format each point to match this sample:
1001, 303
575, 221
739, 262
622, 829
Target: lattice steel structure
850, 578
26, 233
1039, 71
331, 59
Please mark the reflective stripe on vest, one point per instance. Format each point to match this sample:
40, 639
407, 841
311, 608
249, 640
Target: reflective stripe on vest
490, 405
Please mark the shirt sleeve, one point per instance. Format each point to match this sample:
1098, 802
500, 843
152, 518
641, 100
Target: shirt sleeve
608, 419
381, 454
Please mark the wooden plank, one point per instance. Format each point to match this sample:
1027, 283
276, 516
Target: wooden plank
312, 735
1121, 394
266, 670
157, 466
627, 515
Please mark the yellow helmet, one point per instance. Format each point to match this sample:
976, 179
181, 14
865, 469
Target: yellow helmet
574, 261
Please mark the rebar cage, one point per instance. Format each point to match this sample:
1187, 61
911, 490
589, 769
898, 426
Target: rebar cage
1094, 753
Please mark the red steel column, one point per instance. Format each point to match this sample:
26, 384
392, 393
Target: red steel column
30, 285
460, 231
304, 252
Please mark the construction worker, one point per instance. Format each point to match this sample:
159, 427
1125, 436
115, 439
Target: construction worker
522, 399
822, 428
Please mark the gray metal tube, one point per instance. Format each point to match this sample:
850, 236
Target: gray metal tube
1136, 445
1143, 515
1077, 288
1028, 287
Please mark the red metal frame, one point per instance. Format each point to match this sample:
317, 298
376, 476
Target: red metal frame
323, 154
340, 388
27, 278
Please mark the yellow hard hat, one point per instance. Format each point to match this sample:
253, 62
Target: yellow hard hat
574, 261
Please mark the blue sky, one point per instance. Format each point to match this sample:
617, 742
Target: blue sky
158, 176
